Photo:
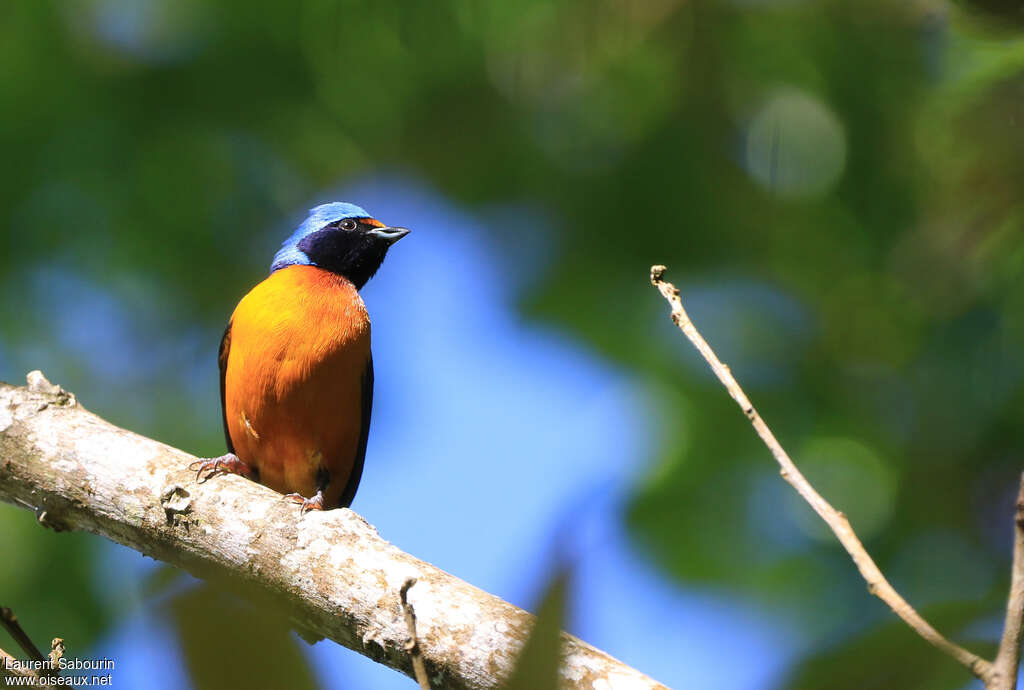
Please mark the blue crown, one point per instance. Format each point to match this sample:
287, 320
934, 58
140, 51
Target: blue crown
289, 254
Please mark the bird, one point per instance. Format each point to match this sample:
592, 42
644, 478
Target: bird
296, 371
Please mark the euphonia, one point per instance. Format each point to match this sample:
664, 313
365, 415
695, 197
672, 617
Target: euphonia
296, 373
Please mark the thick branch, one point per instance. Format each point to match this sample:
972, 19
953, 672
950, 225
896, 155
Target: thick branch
837, 522
332, 572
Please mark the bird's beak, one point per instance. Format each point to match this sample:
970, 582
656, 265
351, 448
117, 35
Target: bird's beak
389, 234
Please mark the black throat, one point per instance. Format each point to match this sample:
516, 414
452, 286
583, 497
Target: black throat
354, 254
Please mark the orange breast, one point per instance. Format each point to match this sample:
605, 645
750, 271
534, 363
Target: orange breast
300, 342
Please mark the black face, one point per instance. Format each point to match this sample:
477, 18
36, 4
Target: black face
352, 247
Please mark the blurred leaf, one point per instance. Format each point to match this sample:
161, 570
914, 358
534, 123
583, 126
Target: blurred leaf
228, 643
886, 656
537, 667
161, 580
48, 580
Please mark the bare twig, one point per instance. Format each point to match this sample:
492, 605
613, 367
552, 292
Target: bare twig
57, 650
14, 629
48, 666
1004, 674
837, 522
412, 645
329, 569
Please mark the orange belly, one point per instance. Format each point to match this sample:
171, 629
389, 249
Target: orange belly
293, 397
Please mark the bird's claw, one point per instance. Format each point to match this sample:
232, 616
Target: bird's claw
229, 463
308, 504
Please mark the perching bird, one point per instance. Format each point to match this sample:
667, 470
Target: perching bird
296, 375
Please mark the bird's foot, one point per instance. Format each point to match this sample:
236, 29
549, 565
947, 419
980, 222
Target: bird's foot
229, 463
308, 504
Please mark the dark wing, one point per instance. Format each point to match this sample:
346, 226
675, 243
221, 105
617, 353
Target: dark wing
222, 362
357, 467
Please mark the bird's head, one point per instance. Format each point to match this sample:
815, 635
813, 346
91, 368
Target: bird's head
341, 238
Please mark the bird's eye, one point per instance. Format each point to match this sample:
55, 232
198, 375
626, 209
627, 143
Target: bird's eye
348, 224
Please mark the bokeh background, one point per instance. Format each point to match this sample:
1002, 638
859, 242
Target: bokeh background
837, 187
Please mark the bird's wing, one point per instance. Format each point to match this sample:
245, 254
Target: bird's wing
357, 466
222, 362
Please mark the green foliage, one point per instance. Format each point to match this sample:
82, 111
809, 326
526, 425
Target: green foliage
850, 666
537, 667
228, 643
51, 590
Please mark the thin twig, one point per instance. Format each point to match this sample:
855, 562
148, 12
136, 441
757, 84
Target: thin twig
837, 522
412, 645
50, 665
57, 650
10, 622
1004, 673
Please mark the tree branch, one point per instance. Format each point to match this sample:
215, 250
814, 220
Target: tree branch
1008, 658
44, 666
18, 634
412, 645
337, 578
837, 522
